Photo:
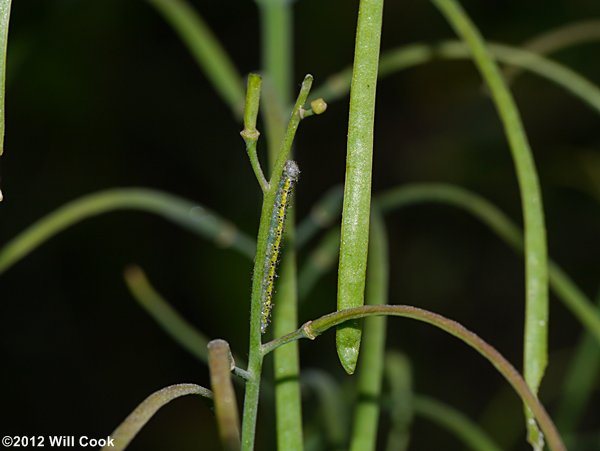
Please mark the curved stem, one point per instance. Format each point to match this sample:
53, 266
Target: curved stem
557, 39
178, 210
184, 333
166, 316
321, 259
566, 290
457, 423
137, 419
338, 85
535, 346
322, 215
206, 50
312, 329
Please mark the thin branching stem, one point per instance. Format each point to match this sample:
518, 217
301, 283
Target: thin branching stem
183, 212
313, 329
322, 257
456, 422
206, 50
337, 86
184, 333
535, 346
285, 148
255, 356
556, 39
250, 134
322, 215
137, 419
277, 34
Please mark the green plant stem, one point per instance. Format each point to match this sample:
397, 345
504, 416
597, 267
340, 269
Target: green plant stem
331, 405
535, 346
180, 211
398, 374
313, 329
274, 115
277, 45
357, 187
170, 320
321, 216
566, 290
255, 356
285, 148
4, 21
580, 381
320, 260
206, 49
277, 51
220, 364
277, 54
166, 316
366, 414
288, 400
338, 85
137, 419
557, 39
453, 420
561, 75
250, 134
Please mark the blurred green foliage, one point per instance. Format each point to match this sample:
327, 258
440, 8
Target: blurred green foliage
102, 94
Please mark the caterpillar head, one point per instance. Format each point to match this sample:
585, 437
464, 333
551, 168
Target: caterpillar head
291, 170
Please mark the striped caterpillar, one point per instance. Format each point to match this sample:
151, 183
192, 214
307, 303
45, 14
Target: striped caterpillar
284, 191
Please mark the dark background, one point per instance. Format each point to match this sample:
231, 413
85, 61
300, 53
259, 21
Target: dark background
102, 94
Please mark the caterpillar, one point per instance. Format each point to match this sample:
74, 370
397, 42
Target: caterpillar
282, 198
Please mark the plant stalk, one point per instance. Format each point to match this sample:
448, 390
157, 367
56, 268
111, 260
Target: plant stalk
357, 188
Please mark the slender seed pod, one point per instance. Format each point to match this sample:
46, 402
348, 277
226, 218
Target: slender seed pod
354, 240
